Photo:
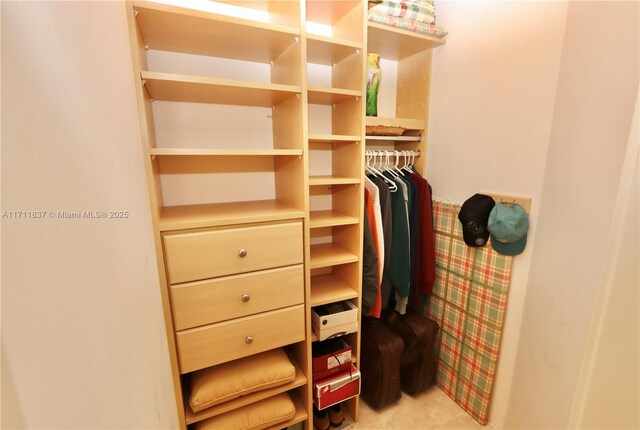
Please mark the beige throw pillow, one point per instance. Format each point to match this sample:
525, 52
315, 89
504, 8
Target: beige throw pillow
255, 416
231, 380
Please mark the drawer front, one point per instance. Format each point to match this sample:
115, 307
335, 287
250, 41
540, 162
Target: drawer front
218, 343
207, 302
220, 252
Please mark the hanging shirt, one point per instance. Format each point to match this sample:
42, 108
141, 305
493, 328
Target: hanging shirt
387, 232
377, 221
370, 210
425, 268
370, 282
400, 269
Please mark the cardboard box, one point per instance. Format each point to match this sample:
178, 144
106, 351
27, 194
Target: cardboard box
335, 319
337, 388
330, 357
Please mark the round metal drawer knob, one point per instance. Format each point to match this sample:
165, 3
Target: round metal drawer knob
245, 297
242, 253
248, 340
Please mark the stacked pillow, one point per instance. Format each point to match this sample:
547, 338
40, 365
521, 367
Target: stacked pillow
412, 15
228, 381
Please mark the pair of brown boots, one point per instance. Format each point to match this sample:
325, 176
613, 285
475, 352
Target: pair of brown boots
326, 418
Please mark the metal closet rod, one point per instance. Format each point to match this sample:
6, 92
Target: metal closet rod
396, 153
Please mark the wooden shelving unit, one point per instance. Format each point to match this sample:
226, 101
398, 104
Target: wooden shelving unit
413, 54
328, 203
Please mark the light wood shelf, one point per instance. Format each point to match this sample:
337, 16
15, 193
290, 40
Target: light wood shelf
332, 180
329, 96
329, 254
328, 50
177, 29
202, 89
328, 138
329, 289
407, 123
225, 152
394, 138
300, 415
330, 218
218, 214
192, 417
395, 44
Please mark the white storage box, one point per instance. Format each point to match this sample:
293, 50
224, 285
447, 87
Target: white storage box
335, 319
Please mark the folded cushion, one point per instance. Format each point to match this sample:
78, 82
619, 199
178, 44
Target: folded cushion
417, 11
255, 416
407, 24
228, 381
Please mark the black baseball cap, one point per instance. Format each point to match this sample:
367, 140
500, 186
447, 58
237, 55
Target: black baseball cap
474, 215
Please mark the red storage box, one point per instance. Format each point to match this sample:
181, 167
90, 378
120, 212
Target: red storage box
337, 388
330, 357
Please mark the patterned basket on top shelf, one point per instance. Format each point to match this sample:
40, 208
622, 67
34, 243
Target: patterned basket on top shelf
384, 130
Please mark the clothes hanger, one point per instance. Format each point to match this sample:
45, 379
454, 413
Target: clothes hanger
387, 166
368, 164
393, 187
396, 153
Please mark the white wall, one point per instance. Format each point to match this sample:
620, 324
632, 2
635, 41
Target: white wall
597, 88
83, 341
493, 92
608, 392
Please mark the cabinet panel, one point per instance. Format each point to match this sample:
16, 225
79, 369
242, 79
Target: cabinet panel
219, 252
218, 343
207, 302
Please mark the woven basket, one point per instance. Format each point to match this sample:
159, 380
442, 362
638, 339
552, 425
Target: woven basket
384, 130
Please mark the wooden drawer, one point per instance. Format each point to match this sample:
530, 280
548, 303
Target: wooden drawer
220, 299
218, 343
226, 251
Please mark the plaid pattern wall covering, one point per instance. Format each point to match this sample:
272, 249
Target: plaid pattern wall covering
469, 301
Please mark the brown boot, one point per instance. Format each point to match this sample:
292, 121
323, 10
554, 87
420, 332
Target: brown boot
335, 415
320, 419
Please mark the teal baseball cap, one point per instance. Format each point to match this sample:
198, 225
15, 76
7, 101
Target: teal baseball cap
508, 224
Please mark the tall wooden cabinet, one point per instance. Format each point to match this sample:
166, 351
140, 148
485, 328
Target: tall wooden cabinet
253, 132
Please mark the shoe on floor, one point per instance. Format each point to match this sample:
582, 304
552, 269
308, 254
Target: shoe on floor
336, 417
320, 419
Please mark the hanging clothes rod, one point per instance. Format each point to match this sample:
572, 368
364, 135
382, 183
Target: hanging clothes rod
386, 153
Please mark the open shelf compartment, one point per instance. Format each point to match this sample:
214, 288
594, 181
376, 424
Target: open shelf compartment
193, 417
328, 50
330, 288
178, 29
395, 43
